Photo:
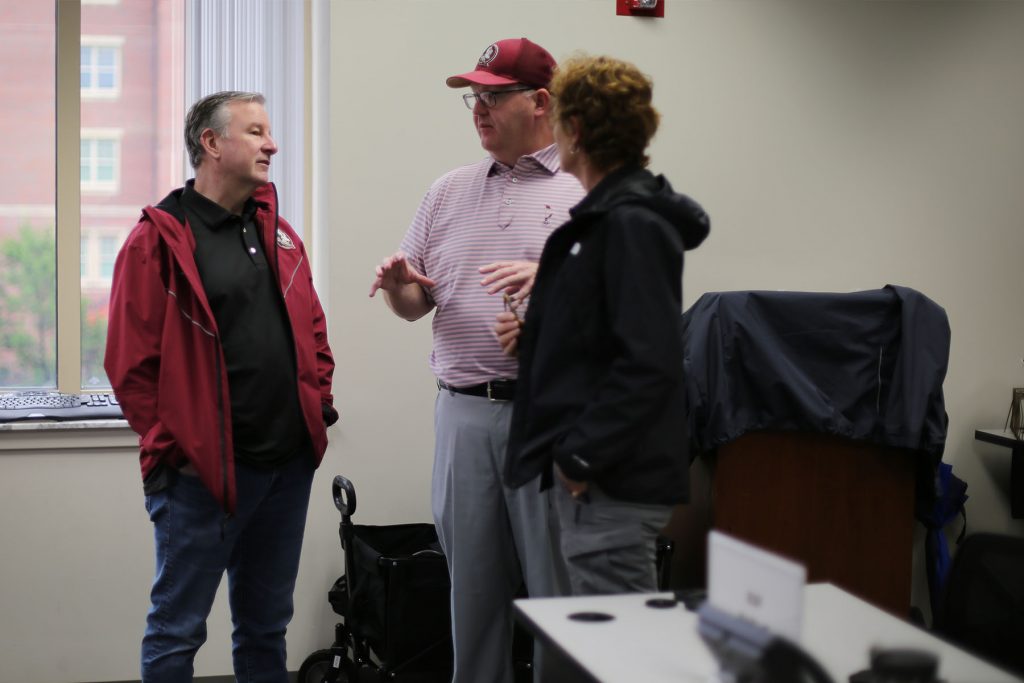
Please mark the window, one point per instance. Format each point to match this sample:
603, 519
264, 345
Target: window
125, 71
119, 68
108, 253
100, 67
100, 160
28, 355
132, 109
99, 251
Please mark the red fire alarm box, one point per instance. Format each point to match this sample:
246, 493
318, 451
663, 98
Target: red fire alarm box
640, 8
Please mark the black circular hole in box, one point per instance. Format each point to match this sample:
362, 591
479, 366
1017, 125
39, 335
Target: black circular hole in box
661, 603
591, 616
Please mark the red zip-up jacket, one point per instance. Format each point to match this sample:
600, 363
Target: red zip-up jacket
164, 357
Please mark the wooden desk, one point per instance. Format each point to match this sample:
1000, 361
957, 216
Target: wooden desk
844, 509
1001, 437
648, 645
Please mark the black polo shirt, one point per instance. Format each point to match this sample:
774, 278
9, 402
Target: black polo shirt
254, 331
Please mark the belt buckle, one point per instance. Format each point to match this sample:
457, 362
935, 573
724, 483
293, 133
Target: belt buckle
489, 397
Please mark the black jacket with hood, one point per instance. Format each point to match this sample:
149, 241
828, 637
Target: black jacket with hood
601, 353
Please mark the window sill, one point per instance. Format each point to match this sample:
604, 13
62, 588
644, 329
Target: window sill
71, 435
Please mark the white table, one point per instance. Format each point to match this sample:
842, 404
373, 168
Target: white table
647, 645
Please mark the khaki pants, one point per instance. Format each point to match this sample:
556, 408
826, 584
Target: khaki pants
494, 537
608, 545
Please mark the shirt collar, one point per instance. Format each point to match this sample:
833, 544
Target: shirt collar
210, 212
545, 159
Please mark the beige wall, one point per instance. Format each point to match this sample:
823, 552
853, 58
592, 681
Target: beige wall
838, 146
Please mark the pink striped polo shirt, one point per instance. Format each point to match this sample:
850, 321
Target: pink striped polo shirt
472, 216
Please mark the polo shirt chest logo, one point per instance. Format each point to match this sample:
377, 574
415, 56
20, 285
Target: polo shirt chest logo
284, 241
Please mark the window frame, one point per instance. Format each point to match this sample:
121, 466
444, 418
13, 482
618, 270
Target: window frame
94, 186
95, 92
92, 275
69, 200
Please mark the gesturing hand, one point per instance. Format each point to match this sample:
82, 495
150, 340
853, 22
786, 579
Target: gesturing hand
514, 277
394, 272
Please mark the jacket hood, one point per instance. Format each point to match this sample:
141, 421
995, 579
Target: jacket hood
639, 186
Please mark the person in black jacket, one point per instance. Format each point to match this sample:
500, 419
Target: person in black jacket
599, 405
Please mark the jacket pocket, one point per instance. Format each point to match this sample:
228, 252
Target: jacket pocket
160, 444
592, 523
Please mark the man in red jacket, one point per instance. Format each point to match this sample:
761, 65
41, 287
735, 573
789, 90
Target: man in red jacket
217, 351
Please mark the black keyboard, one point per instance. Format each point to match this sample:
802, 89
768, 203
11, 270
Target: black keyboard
52, 405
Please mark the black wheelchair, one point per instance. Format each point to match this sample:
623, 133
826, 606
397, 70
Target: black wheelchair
394, 603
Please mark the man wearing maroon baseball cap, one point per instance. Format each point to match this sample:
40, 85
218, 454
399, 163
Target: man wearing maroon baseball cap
509, 98
514, 61
479, 233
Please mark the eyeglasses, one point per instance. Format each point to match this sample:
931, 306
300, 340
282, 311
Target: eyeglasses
490, 97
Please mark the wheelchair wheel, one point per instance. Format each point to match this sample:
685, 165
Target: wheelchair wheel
318, 668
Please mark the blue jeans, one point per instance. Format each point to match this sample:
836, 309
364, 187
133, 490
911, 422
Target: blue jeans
258, 547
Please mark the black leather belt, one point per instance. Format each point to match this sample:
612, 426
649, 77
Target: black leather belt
496, 390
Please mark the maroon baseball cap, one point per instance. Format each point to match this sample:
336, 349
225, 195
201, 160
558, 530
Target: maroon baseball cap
508, 62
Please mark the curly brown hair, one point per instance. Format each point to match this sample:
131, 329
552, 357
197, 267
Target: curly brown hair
610, 101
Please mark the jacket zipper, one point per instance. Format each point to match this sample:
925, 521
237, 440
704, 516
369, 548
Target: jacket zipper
284, 303
223, 440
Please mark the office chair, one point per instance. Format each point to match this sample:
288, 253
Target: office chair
983, 606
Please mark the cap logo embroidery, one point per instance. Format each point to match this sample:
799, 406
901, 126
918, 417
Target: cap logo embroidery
489, 55
284, 241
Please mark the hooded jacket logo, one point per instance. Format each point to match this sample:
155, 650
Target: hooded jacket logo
284, 241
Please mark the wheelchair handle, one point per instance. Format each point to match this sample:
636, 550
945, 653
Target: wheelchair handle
346, 504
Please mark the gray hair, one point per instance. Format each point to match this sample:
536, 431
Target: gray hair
212, 112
